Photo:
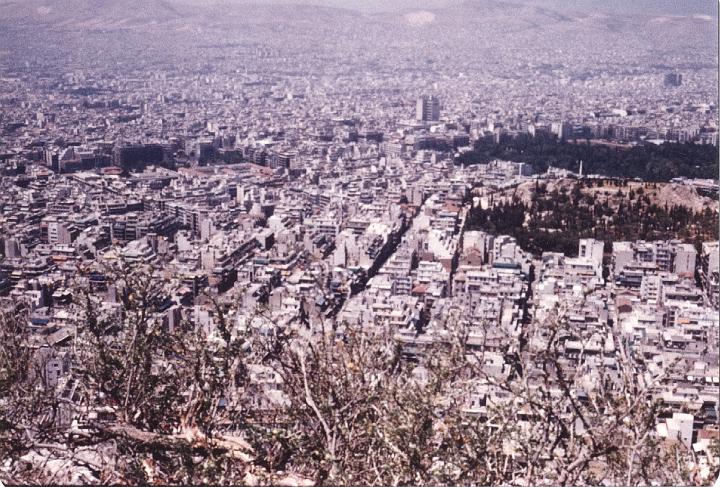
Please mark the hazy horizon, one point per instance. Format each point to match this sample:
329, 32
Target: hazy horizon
651, 7
667, 7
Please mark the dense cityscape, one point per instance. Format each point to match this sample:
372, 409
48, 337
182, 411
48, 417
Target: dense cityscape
248, 254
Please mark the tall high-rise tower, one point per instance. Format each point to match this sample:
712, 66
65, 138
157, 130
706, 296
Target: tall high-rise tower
673, 79
428, 109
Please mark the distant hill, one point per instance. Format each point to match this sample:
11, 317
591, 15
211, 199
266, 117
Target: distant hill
93, 13
541, 25
133, 13
103, 14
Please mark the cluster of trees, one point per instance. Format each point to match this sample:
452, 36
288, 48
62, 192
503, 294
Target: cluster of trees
555, 220
179, 407
648, 162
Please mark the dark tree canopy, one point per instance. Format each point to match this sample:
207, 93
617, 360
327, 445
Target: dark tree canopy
648, 162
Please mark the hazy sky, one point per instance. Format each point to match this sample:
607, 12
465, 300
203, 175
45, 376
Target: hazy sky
652, 7
672, 7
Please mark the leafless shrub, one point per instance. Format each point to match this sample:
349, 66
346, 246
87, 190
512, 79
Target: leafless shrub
354, 408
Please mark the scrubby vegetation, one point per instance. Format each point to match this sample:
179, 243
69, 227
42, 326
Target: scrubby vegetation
555, 220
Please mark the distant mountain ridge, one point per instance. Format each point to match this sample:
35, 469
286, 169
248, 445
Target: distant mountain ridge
92, 13
517, 22
145, 12
71, 14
